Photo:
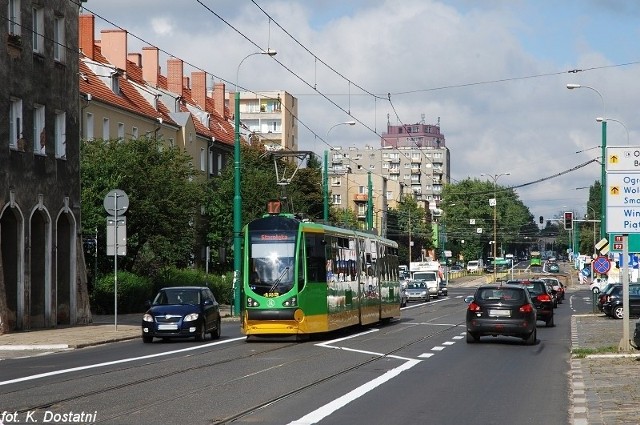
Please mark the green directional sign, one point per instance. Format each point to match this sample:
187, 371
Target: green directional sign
616, 242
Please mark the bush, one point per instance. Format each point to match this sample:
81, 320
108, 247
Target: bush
133, 291
220, 285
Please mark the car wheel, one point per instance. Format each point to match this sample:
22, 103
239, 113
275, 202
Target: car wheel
531, 339
472, 337
550, 323
201, 335
618, 312
215, 334
147, 339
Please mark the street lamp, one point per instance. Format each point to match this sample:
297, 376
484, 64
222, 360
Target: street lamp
237, 194
325, 180
495, 178
603, 174
601, 119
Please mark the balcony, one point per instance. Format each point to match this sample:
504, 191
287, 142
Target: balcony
360, 197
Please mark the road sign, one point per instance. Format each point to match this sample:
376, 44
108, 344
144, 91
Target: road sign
601, 264
116, 230
602, 246
116, 202
623, 158
633, 240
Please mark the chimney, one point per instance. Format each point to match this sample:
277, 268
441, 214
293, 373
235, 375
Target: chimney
218, 99
185, 83
232, 104
150, 65
114, 47
135, 58
87, 34
199, 88
174, 76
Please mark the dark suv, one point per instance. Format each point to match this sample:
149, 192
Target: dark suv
541, 296
612, 305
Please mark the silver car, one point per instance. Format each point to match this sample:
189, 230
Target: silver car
417, 290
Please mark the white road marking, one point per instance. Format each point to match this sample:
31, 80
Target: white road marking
329, 408
437, 348
448, 343
426, 355
127, 360
458, 337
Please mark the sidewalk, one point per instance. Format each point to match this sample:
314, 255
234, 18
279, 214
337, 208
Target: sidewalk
104, 329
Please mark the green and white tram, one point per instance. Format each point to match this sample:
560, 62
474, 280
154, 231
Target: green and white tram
301, 278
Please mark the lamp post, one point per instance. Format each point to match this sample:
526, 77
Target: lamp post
325, 180
495, 178
603, 174
603, 119
237, 194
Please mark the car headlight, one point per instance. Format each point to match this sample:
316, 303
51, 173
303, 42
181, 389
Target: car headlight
424, 292
191, 317
147, 318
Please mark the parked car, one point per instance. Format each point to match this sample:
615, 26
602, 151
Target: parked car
182, 312
553, 268
613, 305
602, 295
456, 268
598, 285
542, 298
417, 290
501, 310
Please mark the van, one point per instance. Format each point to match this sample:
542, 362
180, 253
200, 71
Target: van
474, 266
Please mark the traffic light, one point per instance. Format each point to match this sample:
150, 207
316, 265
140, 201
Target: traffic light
568, 220
541, 220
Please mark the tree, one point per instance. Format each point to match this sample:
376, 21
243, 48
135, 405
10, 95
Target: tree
409, 226
468, 216
164, 201
259, 185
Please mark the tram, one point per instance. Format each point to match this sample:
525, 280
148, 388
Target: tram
301, 278
536, 259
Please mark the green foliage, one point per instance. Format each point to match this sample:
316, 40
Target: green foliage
468, 200
133, 291
220, 285
410, 223
259, 185
164, 202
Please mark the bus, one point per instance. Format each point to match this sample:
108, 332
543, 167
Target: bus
301, 278
535, 260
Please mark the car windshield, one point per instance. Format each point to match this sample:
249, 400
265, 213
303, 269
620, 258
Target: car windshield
501, 294
415, 285
177, 296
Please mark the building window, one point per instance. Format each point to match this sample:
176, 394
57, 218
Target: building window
336, 181
121, 131
15, 124
88, 127
362, 209
105, 129
219, 164
38, 30
134, 132
389, 195
59, 40
336, 199
61, 135
13, 12
115, 82
203, 160
39, 136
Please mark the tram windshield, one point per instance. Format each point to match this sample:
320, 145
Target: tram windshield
272, 263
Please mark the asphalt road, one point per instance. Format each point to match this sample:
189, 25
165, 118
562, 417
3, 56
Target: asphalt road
415, 370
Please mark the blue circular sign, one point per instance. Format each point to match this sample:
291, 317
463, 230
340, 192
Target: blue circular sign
601, 264
586, 272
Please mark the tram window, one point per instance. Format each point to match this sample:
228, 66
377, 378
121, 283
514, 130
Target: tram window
316, 262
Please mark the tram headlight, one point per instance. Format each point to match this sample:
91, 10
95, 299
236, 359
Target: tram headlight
252, 303
290, 302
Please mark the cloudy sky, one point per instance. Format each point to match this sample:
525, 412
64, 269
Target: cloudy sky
492, 72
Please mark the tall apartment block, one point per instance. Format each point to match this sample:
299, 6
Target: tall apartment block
412, 159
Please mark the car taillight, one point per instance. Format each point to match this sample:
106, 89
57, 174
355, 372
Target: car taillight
474, 307
526, 308
544, 297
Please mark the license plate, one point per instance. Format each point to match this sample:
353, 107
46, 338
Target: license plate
499, 313
170, 327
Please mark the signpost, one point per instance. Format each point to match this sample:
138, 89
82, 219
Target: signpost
623, 213
116, 203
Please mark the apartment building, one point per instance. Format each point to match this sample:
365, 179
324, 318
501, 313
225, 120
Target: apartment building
268, 118
125, 95
412, 159
43, 275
